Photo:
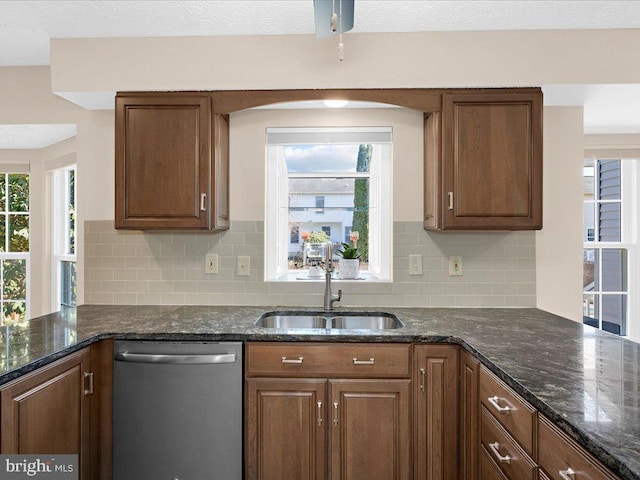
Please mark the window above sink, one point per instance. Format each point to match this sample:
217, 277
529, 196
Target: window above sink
328, 184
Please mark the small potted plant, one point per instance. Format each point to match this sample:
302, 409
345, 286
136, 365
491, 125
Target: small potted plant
349, 263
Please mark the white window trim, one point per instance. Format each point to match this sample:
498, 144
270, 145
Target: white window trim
59, 226
629, 238
6, 255
276, 178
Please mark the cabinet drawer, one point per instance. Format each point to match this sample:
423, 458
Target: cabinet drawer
516, 415
488, 469
558, 453
350, 360
508, 455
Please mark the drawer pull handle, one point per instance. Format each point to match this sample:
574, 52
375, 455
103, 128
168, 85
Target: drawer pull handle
494, 403
495, 448
450, 198
567, 474
423, 372
371, 361
335, 414
319, 414
297, 361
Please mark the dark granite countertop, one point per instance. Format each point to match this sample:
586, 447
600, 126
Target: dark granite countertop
586, 381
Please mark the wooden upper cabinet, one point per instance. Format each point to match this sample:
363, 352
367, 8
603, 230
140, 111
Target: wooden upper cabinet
172, 158
486, 174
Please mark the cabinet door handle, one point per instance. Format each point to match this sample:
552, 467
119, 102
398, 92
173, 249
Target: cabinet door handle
423, 373
319, 414
371, 361
203, 202
88, 390
450, 197
495, 449
567, 474
297, 361
335, 414
494, 403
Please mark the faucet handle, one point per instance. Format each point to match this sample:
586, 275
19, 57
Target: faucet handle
339, 294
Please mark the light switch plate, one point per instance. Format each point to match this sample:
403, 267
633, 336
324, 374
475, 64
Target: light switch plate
243, 266
211, 263
415, 264
455, 266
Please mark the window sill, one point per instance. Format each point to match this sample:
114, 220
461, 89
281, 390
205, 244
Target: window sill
302, 277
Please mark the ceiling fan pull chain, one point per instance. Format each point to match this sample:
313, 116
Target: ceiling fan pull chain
340, 44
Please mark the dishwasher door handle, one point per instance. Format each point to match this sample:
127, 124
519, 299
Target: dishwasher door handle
176, 359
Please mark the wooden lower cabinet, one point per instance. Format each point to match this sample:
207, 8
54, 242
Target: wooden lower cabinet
293, 431
286, 425
469, 414
560, 457
370, 429
47, 411
436, 412
63, 408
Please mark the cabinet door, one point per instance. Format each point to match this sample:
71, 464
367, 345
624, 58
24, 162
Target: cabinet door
469, 410
436, 411
492, 151
370, 430
47, 411
163, 161
285, 429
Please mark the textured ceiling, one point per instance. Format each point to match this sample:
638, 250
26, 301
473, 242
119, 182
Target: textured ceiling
27, 26
34, 136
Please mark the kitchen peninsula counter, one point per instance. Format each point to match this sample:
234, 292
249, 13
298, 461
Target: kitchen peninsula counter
586, 381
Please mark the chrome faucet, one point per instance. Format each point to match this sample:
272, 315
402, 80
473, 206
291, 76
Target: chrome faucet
329, 297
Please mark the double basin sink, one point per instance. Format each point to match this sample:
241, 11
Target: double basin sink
330, 320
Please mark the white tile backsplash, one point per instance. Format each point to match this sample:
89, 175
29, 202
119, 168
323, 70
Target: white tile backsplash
128, 267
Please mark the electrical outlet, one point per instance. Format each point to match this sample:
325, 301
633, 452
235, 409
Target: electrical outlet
243, 266
415, 264
211, 264
455, 266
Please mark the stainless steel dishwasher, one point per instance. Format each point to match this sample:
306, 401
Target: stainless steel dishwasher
177, 410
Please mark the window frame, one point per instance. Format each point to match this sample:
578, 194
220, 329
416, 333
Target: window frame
628, 241
60, 224
276, 195
7, 255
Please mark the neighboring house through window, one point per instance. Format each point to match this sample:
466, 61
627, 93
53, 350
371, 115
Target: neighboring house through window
607, 245
331, 181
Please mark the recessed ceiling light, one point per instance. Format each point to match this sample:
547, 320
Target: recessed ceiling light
335, 103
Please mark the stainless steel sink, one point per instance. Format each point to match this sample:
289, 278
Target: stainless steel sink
361, 322
329, 320
291, 321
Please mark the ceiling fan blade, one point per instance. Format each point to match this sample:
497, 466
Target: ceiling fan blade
323, 10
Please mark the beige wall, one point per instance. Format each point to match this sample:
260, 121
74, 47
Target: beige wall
436, 59
247, 137
559, 243
423, 59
